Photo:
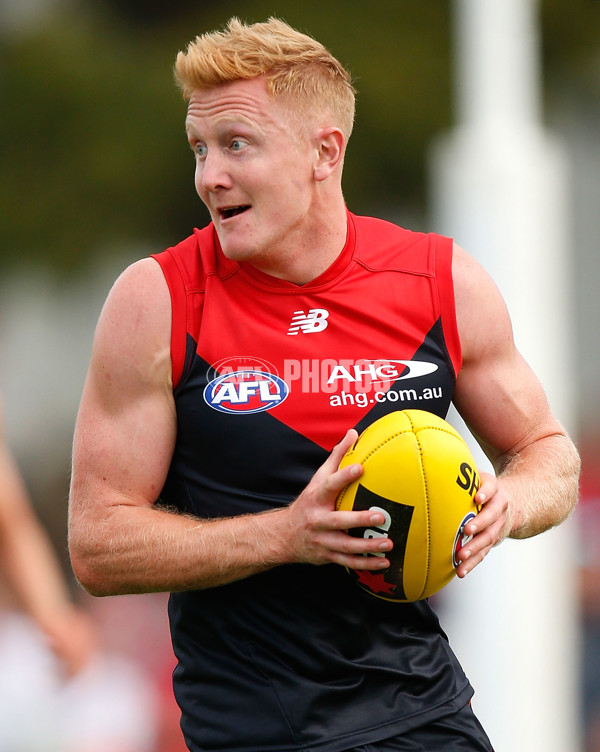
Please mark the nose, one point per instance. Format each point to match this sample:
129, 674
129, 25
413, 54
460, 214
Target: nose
211, 173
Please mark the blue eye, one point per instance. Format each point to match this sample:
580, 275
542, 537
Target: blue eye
200, 150
237, 144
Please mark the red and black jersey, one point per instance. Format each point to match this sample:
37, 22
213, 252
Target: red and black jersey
268, 376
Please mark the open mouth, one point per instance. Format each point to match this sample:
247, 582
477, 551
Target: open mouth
232, 211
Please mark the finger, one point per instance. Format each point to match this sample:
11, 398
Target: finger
349, 440
339, 450
477, 544
341, 478
478, 548
359, 553
348, 519
361, 562
330, 473
494, 510
472, 561
343, 543
487, 490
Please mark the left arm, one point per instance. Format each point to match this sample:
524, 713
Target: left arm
504, 405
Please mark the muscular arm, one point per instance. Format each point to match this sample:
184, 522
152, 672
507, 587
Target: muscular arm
504, 405
120, 542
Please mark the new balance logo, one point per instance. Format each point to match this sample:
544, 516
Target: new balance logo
309, 323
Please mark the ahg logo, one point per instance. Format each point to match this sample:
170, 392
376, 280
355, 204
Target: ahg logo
373, 371
309, 323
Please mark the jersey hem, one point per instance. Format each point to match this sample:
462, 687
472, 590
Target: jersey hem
367, 736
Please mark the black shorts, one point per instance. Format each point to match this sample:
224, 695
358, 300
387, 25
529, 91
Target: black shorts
458, 732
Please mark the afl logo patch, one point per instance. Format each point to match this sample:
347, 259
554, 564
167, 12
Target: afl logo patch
461, 538
245, 392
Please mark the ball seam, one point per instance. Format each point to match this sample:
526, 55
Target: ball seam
427, 516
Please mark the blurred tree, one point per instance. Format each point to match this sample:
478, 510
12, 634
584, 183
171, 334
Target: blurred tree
93, 125
152, 12
570, 36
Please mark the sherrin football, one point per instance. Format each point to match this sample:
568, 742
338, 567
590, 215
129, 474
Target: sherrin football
420, 473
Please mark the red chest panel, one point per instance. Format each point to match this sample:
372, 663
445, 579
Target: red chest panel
376, 332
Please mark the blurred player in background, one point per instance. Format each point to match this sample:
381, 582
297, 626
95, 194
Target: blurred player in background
33, 573
60, 688
228, 376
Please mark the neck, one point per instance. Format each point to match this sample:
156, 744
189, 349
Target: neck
315, 251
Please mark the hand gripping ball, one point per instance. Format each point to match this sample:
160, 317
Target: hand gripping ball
420, 473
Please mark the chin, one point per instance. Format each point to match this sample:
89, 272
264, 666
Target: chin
234, 252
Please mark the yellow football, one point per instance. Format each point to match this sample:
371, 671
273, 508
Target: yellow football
420, 473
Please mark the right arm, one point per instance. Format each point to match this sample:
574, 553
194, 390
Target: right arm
119, 540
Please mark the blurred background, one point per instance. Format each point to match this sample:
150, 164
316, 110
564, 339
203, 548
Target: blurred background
96, 172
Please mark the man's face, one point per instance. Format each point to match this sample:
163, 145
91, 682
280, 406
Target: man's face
254, 172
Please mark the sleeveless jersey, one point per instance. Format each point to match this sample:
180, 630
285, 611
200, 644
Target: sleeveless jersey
268, 376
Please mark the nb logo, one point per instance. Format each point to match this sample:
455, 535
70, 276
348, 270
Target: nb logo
309, 323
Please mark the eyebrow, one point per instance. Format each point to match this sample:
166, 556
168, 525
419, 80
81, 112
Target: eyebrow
231, 123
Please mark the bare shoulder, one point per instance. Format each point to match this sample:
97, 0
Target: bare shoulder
132, 339
482, 316
498, 395
139, 299
127, 410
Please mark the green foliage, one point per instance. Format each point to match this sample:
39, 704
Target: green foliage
571, 35
94, 151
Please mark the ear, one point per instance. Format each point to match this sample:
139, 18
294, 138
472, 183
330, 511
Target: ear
330, 143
